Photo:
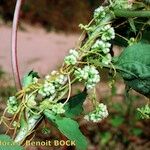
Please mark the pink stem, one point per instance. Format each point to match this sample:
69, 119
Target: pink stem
14, 59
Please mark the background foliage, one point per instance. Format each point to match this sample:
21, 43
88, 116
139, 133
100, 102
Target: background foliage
59, 15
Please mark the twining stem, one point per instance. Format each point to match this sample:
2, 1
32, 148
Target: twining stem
128, 13
14, 59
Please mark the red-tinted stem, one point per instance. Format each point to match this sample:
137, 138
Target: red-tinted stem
14, 58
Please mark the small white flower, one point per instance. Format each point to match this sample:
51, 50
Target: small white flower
70, 60
58, 108
47, 77
90, 86
12, 105
12, 100
101, 46
47, 89
16, 124
74, 52
108, 33
106, 27
99, 13
54, 72
61, 80
86, 117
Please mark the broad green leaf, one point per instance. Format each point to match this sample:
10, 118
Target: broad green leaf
69, 128
74, 105
28, 78
6, 143
134, 66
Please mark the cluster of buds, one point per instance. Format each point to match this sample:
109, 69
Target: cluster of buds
52, 83
98, 114
71, 59
99, 13
103, 45
108, 33
12, 105
89, 74
57, 108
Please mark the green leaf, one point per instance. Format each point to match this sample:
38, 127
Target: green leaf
6, 143
117, 121
28, 78
134, 66
74, 105
69, 128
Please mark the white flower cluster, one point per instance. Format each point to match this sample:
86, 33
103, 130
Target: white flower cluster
61, 80
50, 86
71, 59
108, 33
57, 108
99, 13
16, 124
99, 114
101, 46
47, 89
12, 105
89, 74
